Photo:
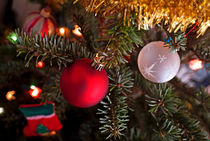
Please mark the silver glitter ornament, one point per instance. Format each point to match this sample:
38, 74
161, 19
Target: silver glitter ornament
158, 63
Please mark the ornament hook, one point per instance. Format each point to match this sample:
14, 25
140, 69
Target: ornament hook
97, 62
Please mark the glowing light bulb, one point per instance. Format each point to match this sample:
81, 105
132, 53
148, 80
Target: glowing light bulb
77, 31
10, 95
62, 31
40, 64
34, 91
1, 110
12, 37
32, 87
53, 133
196, 64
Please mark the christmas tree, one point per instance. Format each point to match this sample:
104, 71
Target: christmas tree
95, 70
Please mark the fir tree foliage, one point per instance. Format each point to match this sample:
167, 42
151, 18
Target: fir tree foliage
171, 119
176, 41
114, 111
173, 122
55, 49
122, 41
133, 134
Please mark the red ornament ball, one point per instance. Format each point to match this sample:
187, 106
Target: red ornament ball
40, 22
82, 85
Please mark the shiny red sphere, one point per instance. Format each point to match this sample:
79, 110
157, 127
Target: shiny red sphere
82, 85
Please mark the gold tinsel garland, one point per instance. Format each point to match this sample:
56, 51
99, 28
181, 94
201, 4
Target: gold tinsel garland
178, 14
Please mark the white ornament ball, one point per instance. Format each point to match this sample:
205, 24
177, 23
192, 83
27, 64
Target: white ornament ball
158, 63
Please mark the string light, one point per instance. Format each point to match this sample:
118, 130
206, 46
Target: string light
77, 31
34, 91
1, 110
10, 95
196, 64
63, 31
12, 37
32, 86
40, 64
52, 133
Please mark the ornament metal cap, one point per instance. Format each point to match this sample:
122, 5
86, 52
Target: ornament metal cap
45, 12
96, 63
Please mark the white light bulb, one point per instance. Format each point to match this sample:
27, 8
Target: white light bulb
14, 38
1, 110
62, 30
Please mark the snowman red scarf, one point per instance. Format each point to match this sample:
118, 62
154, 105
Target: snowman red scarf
41, 118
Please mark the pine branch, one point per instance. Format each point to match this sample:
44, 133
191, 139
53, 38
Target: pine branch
54, 49
122, 42
172, 119
162, 99
167, 130
176, 41
115, 107
190, 128
134, 134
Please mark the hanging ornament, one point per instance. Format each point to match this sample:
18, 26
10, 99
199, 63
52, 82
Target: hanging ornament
158, 63
40, 22
10, 95
77, 31
40, 64
84, 84
42, 119
63, 31
34, 91
196, 64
